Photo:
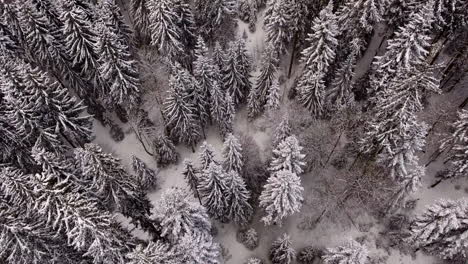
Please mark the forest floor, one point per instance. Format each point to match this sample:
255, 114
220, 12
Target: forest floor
329, 232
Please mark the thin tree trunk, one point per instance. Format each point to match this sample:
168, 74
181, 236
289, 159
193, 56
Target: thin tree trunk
193, 148
334, 147
67, 139
292, 54
355, 160
436, 183
138, 136
434, 124
457, 81
439, 51
464, 103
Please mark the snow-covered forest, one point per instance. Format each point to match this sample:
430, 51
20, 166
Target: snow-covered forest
233, 131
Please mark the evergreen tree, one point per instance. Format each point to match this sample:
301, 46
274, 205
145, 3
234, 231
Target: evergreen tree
288, 156
253, 103
273, 101
210, 15
218, 56
277, 23
199, 249
236, 72
178, 216
180, 113
191, 177
118, 70
140, 16
207, 155
147, 177
250, 238
254, 261
165, 151
281, 251
457, 143
229, 112
440, 229
281, 196
317, 58
340, 94
9, 44
154, 252
282, 132
114, 21
237, 195
212, 186
232, 154
364, 14
217, 103
352, 252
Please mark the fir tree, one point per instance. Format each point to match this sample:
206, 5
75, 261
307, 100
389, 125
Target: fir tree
229, 110
352, 252
118, 70
281, 196
254, 261
232, 154
273, 101
236, 72
114, 21
218, 56
217, 103
340, 94
207, 155
178, 216
281, 251
288, 156
253, 103
165, 151
457, 143
317, 58
277, 23
180, 113
153, 252
282, 132
440, 229
199, 249
212, 186
250, 238
237, 195
210, 15
191, 177
147, 177
140, 16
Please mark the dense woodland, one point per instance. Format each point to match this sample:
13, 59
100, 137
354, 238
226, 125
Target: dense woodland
172, 71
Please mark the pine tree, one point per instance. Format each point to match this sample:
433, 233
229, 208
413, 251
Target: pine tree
207, 155
250, 238
180, 113
288, 156
457, 143
118, 70
281, 196
212, 186
351, 252
282, 132
115, 22
229, 113
440, 229
340, 94
191, 178
232, 154
317, 58
9, 44
277, 23
178, 216
140, 16
147, 177
237, 195
281, 251
210, 15
218, 56
165, 151
273, 101
217, 103
364, 14
236, 72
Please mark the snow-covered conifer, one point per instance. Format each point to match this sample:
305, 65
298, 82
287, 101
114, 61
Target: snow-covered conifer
410, 183
191, 177
178, 216
165, 151
232, 154
118, 70
112, 17
273, 101
282, 132
281, 196
217, 103
457, 144
213, 185
226, 125
254, 261
288, 156
218, 55
236, 71
351, 253
210, 15
340, 94
317, 59
278, 25
140, 16
153, 252
199, 249
146, 176
181, 113
440, 229
238, 208
253, 103
207, 155
281, 251
250, 238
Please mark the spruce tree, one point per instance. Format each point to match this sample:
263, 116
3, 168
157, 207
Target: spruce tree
206, 155
237, 195
191, 178
457, 143
115, 22
281, 251
253, 103
226, 125
317, 59
165, 151
440, 229
282, 132
236, 72
277, 23
118, 70
217, 103
351, 252
180, 112
153, 252
199, 249
281, 196
212, 186
273, 101
232, 154
340, 94
210, 15
178, 216
140, 16
147, 177
288, 156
